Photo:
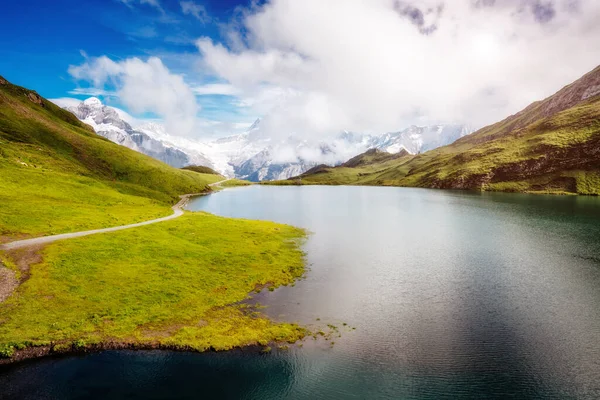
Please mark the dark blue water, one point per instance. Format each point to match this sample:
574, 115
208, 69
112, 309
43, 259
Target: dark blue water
452, 294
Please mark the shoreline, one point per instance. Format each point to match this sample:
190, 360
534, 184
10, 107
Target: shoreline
14, 352
466, 190
32, 354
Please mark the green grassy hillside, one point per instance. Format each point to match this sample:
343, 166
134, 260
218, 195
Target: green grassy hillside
179, 286
201, 169
551, 146
356, 171
176, 284
235, 183
57, 175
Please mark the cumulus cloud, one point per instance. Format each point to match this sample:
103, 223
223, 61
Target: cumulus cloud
144, 86
66, 102
318, 67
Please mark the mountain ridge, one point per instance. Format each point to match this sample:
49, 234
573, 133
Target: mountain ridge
253, 155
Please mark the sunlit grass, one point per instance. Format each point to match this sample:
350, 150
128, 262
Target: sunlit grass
176, 284
235, 183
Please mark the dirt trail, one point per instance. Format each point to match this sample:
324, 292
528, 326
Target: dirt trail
8, 282
177, 212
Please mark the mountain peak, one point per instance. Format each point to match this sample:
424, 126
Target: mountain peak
92, 102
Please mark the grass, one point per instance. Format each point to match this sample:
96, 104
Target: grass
40, 203
296, 181
176, 284
57, 175
235, 183
527, 153
201, 169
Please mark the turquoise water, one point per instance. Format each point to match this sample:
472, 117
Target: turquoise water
452, 294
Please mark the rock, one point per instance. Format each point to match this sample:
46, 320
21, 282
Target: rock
35, 98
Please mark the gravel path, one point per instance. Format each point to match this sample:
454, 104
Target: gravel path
177, 212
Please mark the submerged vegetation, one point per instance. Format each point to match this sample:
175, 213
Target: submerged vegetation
177, 284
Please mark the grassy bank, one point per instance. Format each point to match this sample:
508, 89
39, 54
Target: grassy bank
235, 183
175, 284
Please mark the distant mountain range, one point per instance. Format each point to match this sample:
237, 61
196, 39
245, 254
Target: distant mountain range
552, 146
251, 155
107, 122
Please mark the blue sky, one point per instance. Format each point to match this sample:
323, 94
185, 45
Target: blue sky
40, 39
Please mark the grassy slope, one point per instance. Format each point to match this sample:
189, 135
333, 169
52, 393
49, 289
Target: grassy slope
57, 175
551, 146
174, 284
235, 183
201, 169
559, 153
171, 284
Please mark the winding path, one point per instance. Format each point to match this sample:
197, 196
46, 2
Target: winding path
177, 212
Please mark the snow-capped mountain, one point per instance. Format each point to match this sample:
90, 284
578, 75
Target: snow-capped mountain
418, 139
292, 156
253, 155
107, 122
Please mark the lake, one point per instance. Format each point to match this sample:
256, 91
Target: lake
452, 295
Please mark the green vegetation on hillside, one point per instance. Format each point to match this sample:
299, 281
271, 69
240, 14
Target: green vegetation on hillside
556, 154
201, 169
175, 284
234, 183
359, 170
552, 146
57, 175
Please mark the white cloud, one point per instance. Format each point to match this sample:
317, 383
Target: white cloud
92, 91
66, 102
317, 67
144, 86
197, 10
